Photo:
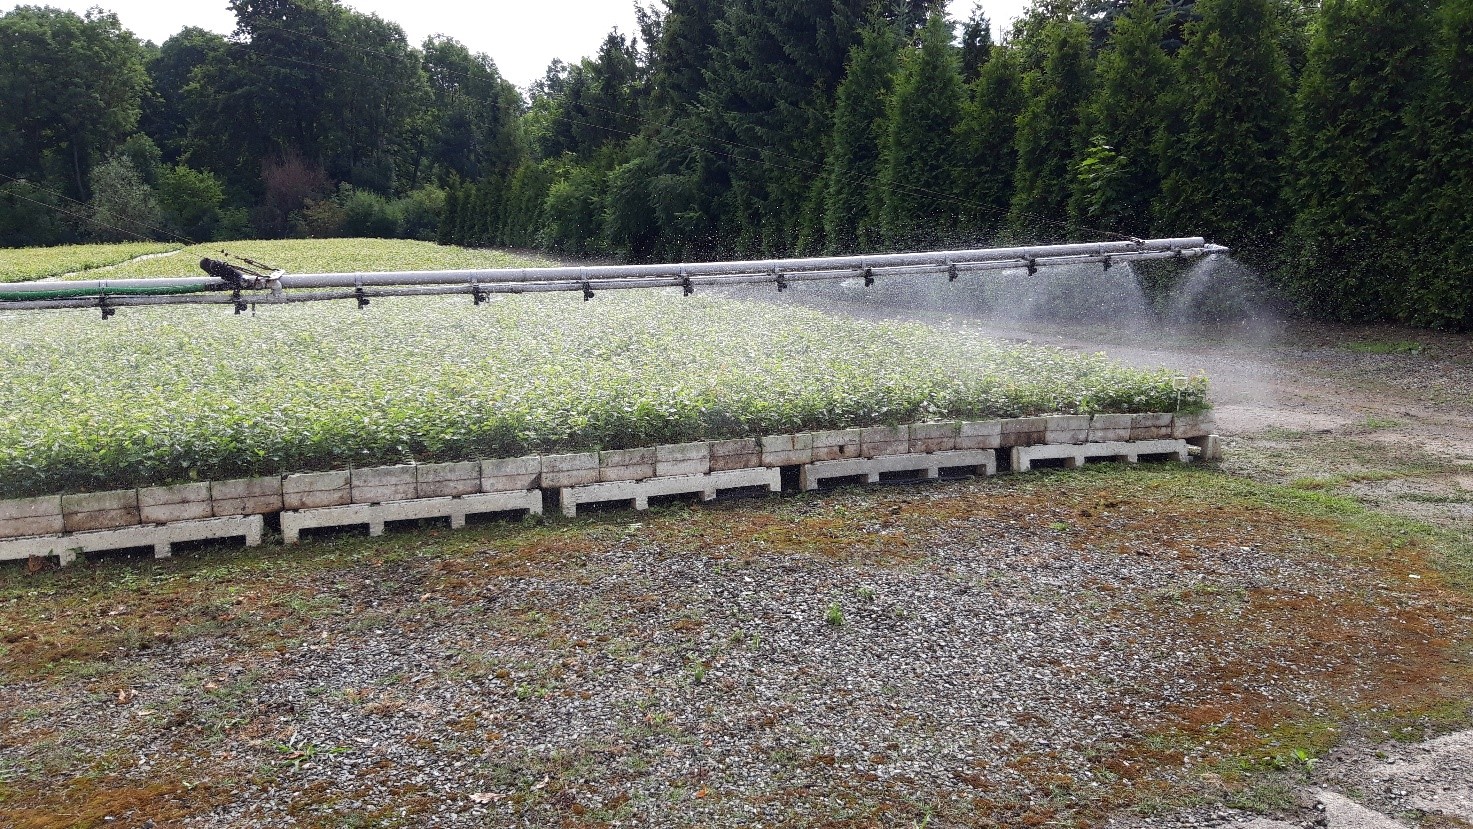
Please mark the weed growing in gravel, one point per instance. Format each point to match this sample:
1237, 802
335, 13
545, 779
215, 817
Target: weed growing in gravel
834, 615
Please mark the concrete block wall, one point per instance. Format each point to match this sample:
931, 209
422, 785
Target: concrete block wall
100, 511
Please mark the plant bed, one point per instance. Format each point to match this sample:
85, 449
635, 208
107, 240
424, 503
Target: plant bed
166, 396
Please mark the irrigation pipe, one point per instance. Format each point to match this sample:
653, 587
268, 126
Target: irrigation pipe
294, 288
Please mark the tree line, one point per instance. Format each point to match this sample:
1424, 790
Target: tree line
1329, 143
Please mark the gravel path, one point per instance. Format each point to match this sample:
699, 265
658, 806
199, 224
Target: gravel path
971, 654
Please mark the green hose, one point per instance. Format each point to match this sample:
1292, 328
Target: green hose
88, 293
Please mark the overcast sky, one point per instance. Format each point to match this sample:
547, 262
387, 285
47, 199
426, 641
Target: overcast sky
522, 37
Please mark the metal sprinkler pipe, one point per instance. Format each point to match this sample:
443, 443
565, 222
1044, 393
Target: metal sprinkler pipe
282, 288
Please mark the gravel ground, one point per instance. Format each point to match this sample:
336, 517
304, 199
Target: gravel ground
984, 653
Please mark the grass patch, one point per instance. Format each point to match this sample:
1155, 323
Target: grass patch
22, 264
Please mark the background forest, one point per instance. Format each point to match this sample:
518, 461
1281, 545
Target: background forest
1330, 143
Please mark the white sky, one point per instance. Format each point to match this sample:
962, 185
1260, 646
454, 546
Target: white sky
522, 37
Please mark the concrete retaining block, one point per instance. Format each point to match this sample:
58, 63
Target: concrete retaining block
742, 453
377, 484
1075, 455
99, 510
682, 459
1196, 425
31, 516
569, 470
511, 474
1023, 431
1109, 427
1066, 429
787, 450
626, 464
979, 434
1155, 426
166, 504
246, 496
445, 480
313, 490
934, 437
638, 493
161, 537
836, 445
1209, 447
375, 515
877, 441
929, 465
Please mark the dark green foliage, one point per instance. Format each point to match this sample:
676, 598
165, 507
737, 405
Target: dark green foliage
976, 44
1224, 146
860, 130
1434, 233
1352, 154
1049, 131
918, 206
71, 88
987, 156
191, 201
1118, 172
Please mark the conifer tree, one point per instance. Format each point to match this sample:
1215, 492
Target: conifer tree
449, 217
976, 44
853, 164
1048, 130
987, 154
918, 173
1223, 149
1436, 210
1118, 175
1352, 155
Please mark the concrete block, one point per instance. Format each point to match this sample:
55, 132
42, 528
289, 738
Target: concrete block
1023, 431
377, 484
31, 516
1074, 455
317, 489
161, 537
1209, 447
569, 470
166, 504
876, 441
99, 510
375, 515
638, 493
674, 459
787, 450
979, 434
246, 496
1196, 425
1109, 427
626, 464
928, 465
836, 445
742, 453
511, 474
1066, 429
444, 480
1150, 427
934, 437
